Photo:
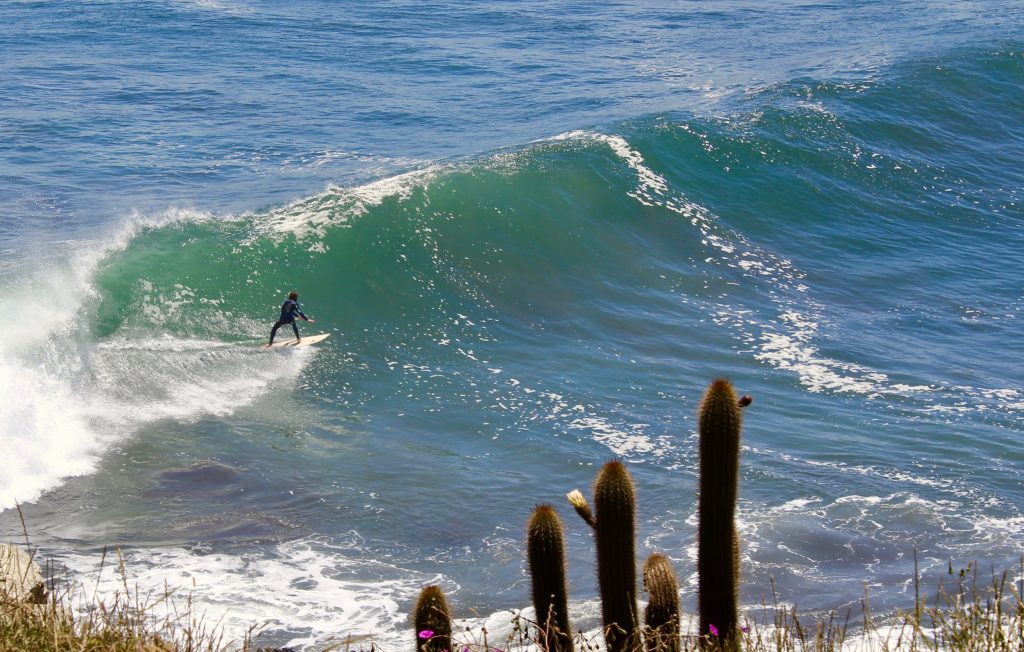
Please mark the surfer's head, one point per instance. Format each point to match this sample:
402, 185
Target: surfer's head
293, 295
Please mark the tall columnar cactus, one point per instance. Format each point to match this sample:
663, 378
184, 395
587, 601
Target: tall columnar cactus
433, 621
720, 422
661, 619
614, 530
545, 551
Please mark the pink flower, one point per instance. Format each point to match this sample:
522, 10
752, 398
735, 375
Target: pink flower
744, 629
711, 628
426, 634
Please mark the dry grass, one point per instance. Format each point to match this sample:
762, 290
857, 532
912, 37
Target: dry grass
72, 619
966, 613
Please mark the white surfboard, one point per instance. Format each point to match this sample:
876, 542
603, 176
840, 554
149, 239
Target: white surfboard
306, 341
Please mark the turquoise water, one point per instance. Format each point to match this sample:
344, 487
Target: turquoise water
535, 233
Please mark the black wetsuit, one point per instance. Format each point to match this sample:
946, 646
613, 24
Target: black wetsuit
289, 309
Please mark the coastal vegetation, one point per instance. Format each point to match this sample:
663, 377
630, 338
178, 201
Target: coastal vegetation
970, 612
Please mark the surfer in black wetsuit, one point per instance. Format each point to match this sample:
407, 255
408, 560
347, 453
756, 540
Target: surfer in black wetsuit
289, 310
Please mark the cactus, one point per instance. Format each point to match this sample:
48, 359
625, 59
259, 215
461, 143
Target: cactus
546, 555
615, 504
433, 621
614, 526
662, 615
720, 422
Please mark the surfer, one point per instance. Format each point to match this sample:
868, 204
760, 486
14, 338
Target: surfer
289, 310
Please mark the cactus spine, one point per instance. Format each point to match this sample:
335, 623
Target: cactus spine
615, 504
662, 615
433, 621
720, 422
545, 552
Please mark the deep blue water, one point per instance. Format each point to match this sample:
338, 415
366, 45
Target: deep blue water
535, 231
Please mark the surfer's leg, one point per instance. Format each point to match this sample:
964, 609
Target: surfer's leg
295, 327
273, 332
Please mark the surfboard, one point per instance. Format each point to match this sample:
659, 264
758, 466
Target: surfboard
306, 341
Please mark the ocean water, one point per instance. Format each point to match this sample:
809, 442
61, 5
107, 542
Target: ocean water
535, 232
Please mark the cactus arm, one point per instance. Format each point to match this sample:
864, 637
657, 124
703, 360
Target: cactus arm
579, 503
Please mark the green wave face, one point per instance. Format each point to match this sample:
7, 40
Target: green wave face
673, 241
527, 236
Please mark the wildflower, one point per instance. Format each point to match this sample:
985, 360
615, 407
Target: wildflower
426, 633
712, 628
579, 503
744, 629
576, 498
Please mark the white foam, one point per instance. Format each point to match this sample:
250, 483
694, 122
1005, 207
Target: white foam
311, 217
52, 280
230, 7
43, 431
632, 443
306, 590
992, 528
66, 399
629, 441
184, 380
887, 473
650, 181
43, 434
798, 504
787, 341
